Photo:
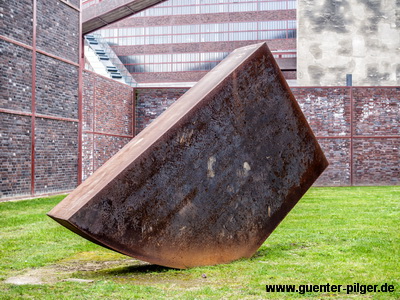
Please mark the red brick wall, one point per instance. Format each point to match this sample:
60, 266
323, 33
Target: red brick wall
196, 47
108, 120
57, 30
358, 129
56, 156
273, 45
15, 153
186, 76
109, 117
376, 135
251, 16
151, 102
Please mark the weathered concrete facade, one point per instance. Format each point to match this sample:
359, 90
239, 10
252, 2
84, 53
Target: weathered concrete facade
339, 37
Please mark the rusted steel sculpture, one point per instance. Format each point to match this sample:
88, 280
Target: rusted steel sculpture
210, 179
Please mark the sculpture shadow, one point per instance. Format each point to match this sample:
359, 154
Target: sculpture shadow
137, 269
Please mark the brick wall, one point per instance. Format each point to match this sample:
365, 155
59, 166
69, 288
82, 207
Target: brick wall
376, 135
40, 146
75, 3
56, 87
376, 111
377, 161
56, 155
39, 98
58, 29
150, 103
199, 47
328, 113
108, 119
186, 76
16, 20
358, 129
210, 18
273, 45
15, 77
15, 151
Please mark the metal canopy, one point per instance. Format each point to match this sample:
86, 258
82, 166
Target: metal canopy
110, 11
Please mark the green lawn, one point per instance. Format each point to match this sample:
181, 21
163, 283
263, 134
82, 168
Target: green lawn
340, 236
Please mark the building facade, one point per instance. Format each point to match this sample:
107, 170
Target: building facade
59, 123
180, 41
39, 97
354, 37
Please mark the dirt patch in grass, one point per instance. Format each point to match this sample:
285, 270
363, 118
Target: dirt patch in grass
88, 267
67, 268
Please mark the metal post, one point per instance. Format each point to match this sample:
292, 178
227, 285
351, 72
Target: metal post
33, 101
349, 79
80, 97
351, 137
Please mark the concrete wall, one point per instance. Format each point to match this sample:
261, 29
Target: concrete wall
39, 79
339, 37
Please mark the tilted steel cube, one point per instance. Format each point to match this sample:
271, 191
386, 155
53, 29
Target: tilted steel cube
211, 178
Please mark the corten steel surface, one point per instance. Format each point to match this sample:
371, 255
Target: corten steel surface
210, 179
107, 12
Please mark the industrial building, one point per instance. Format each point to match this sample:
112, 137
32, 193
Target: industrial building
60, 122
179, 41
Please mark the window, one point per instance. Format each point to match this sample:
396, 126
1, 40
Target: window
216, 32
176, 62
182, 7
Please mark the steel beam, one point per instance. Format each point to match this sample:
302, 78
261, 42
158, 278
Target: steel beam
110, 11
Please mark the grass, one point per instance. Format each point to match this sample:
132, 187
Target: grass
334, 235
